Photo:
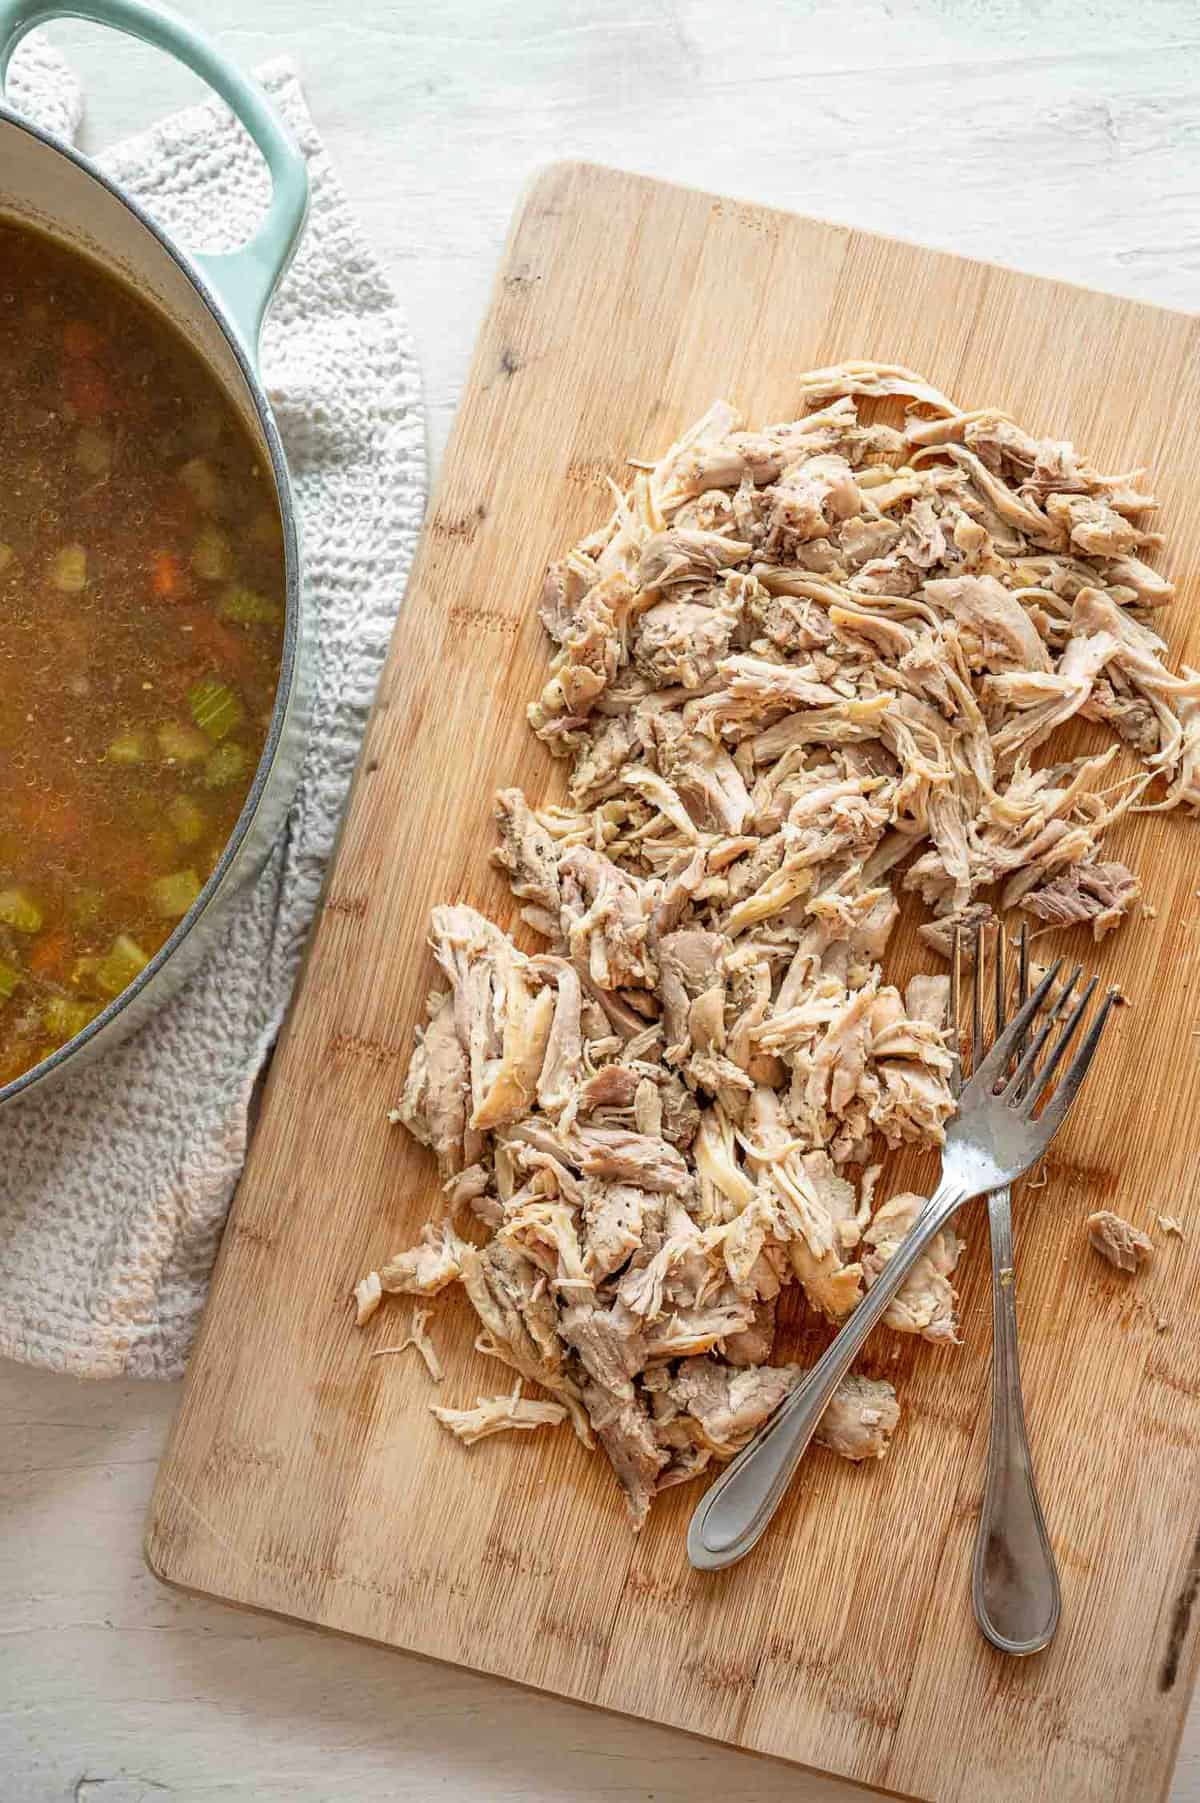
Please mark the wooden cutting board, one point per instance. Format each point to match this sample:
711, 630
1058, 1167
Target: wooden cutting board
305, 1478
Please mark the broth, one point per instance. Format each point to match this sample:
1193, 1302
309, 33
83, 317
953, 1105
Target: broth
141, 621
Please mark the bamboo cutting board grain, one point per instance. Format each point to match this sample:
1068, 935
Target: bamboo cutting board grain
305, 1478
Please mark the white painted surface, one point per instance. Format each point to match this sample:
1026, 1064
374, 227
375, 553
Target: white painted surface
1057, 135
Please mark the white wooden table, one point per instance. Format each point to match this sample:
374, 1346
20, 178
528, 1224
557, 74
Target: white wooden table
1062, 138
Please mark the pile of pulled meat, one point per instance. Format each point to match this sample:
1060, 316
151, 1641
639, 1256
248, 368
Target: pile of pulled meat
800, 668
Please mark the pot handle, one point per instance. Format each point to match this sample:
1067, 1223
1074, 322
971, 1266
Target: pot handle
244, 280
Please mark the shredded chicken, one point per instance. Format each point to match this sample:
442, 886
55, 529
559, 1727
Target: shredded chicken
418, 1339
498, 1415
801, 670
861, 1418
1123, 1245
926, 1303
1099, 893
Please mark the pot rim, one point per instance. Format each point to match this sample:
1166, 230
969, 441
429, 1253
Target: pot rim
290, 649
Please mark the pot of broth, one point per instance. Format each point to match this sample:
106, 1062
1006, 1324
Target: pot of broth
153, 701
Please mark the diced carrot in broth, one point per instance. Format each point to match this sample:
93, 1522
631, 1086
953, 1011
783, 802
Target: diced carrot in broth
51, 955
169, 579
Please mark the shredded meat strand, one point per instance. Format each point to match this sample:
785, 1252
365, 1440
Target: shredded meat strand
498, 1415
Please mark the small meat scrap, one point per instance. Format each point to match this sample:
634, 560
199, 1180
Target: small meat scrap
801, 670
499, 1415
1168, 1224
926, 1302
1089, 893
861, 1418
1122, 1245
427, 1267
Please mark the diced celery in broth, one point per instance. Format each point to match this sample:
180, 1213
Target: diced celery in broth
187, 819
215, 709
85, 906
227, 764
212, 555
202, 483
181, 743
19, 911
141, 566
93, 451
172, 896
247, 608
121, 964
83, 972
63, 1019
129, 748
69, 571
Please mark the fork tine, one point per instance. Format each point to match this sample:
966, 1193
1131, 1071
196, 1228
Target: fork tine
1022, 972
977, 997
1068, 1089
1038, 1085
1023, 1074
955, 1047
1001, 980
996, 1062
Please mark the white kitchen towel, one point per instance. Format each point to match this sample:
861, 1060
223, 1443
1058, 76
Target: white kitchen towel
114, 1187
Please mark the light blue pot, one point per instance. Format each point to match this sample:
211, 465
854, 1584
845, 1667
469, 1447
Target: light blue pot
218, 303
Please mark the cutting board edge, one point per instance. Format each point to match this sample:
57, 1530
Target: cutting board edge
158, 1559
559, 1694
586, 165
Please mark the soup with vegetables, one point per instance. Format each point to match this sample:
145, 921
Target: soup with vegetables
141, 619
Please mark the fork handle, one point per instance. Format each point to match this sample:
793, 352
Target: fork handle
737, 1509
1014, 1585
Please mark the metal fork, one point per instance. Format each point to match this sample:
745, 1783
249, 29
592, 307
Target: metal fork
1014, 1580
994, 1138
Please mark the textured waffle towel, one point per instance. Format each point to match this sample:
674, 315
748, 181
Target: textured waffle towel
114, 1188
